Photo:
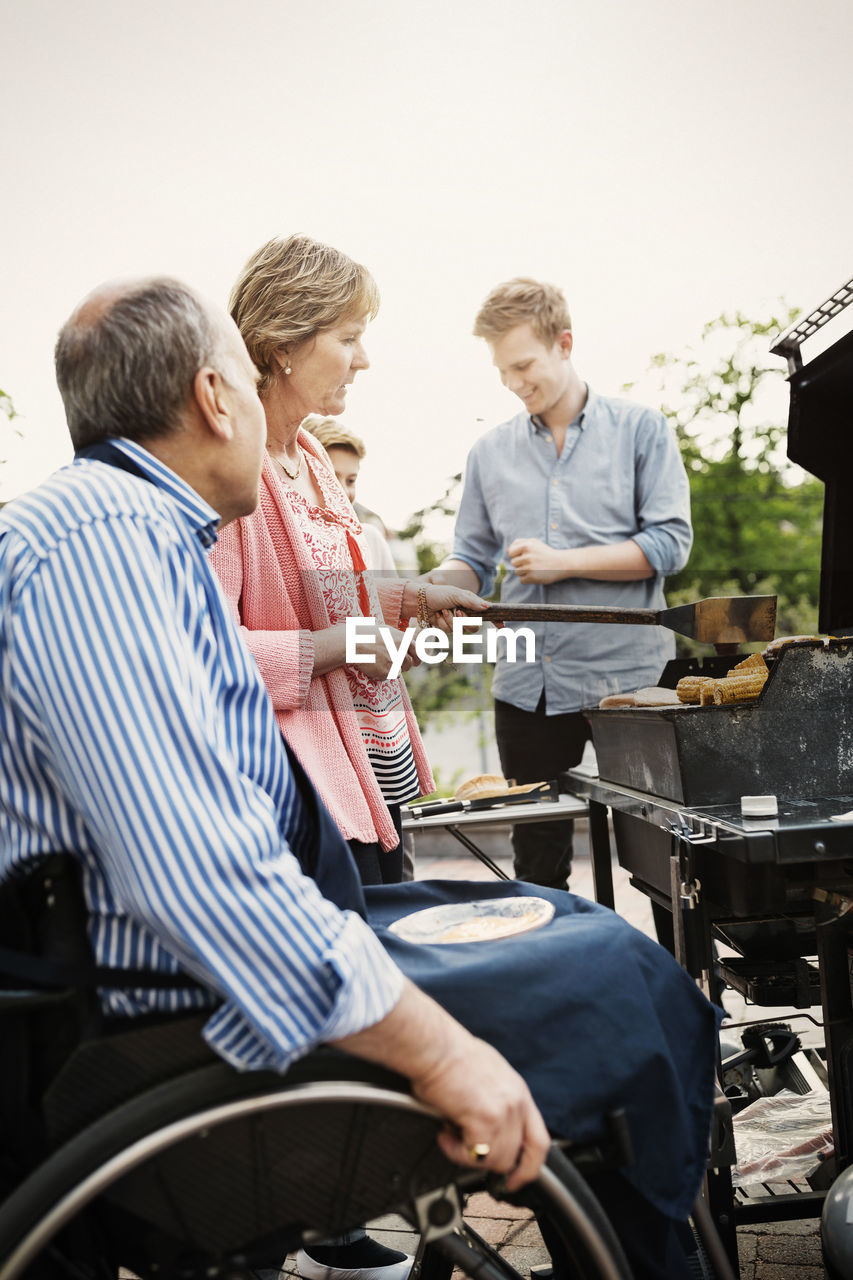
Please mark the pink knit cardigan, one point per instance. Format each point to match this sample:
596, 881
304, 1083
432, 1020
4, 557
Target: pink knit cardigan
273, 591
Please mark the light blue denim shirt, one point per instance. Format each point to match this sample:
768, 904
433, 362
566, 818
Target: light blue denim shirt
619, 476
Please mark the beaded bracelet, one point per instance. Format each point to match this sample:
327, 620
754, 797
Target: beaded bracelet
423, 611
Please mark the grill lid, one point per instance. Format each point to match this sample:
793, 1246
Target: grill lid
820, 439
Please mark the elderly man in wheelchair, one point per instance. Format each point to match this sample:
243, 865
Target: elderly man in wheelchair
183, 930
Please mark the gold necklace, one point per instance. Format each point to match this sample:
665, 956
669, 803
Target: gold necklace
291, 475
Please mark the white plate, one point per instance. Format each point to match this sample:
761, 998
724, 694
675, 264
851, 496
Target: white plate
482, 921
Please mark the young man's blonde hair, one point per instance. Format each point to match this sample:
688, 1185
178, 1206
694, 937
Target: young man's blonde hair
291, 290
333, 434
523, 301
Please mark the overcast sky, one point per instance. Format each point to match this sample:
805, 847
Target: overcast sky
662, 161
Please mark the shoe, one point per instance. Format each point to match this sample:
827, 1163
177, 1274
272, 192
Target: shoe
366, 1259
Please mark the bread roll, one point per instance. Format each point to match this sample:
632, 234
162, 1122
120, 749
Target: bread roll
482, 787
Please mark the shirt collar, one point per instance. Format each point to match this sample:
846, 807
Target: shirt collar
199, 515
536, 423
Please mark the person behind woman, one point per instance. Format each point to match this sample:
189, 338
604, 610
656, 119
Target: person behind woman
346, 453
294, 570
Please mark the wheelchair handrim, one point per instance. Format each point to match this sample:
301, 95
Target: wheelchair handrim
144, 1148
563, 1198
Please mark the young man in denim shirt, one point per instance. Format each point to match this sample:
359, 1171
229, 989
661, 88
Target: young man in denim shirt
585, 500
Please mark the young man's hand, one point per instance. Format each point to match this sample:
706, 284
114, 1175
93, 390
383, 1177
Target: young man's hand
535, 561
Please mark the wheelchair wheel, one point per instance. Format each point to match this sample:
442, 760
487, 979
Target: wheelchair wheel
216, 1174
561, 1196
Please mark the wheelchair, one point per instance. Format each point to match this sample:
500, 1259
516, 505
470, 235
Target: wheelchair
131, 1146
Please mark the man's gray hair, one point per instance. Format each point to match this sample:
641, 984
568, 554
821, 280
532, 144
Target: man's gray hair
125, 364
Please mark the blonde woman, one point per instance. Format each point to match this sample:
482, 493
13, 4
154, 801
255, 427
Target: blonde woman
295, 569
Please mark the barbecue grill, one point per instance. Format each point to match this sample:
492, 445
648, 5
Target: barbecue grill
777, 890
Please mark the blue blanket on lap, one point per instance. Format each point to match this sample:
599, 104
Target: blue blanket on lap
594, 1015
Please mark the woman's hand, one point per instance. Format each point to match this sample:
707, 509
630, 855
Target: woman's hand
375, 658
441, 599
438, 603
445, 603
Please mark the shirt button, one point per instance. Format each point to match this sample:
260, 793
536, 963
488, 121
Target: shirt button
553, 482
553, 524
547, 657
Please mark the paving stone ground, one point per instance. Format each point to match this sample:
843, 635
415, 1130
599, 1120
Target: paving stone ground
774, 1251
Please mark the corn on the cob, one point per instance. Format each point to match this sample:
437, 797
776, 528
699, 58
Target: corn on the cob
689, 688
745, 680
754, 662
739, 688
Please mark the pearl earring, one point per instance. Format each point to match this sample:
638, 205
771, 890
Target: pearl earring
287, 368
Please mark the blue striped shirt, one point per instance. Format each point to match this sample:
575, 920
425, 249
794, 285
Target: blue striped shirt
137, 735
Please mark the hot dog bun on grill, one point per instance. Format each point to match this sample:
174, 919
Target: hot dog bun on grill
649, 697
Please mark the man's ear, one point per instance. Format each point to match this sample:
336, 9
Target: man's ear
565, 341
214, 404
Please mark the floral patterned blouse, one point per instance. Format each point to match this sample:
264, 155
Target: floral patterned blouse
333, 540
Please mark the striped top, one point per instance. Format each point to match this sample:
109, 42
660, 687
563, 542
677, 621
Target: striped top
137, 734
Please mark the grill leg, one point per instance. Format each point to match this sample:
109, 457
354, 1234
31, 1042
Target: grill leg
693, 943
602, 867
832, 943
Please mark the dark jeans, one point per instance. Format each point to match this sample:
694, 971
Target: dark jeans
375, 866
535, 747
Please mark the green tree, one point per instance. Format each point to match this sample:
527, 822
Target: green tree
430, 547
7, 408
441, 691
756, 517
